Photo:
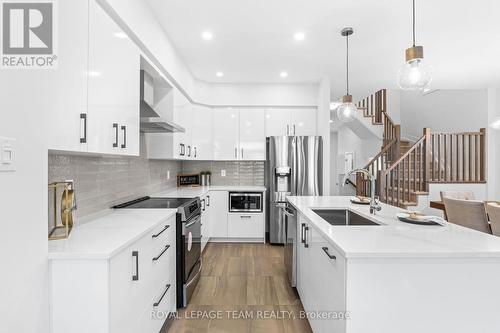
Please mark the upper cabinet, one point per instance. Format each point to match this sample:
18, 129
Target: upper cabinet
290, 122
113, 87
252, 135
226, 128
239, 134
98, 81
202, 134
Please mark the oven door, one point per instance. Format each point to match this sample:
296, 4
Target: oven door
245, 202
192, 255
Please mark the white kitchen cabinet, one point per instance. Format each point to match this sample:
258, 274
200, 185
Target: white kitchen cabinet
290, 122
113, 87
183, 116
321, 272
219, 203
246, 226
303, 122
277, 122
226, 134
66, 125
202, 133
252, 135
206, 219
114, 294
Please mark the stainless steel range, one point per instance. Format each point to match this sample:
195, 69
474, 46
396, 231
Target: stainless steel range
188, 240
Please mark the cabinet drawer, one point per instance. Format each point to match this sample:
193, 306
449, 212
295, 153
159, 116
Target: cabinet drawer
164, 232
245, 225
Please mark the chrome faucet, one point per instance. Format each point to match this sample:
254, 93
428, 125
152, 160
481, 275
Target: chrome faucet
374, 202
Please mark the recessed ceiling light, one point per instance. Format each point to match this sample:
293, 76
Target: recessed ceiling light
299, 36
219, 74
331, 121
283, 74
120, 35
207, 35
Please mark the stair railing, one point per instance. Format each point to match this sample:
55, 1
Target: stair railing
408, 175
458, 157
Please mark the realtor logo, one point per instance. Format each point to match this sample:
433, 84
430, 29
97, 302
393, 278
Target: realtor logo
28, 35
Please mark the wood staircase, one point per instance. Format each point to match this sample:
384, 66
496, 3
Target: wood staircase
404, 170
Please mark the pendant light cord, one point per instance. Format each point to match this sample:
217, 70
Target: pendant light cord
413, 23
347, 63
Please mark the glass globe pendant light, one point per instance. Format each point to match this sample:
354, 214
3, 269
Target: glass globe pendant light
347, 111
415, 74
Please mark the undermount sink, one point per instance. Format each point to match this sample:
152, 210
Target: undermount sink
342, 217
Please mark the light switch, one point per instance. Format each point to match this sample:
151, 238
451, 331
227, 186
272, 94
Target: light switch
223, 173
7, 154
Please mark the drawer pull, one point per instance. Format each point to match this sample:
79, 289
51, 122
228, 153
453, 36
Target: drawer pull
161, 253
245, 217
167, 287
306, 229
331, 256
135, 254
162, 230
302, 236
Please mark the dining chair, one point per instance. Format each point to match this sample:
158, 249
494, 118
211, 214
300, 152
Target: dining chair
493, 210
463, 195
467, 213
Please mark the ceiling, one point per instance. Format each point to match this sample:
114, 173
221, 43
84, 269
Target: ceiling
253, 40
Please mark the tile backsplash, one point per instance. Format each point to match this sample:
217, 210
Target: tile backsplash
101, 182
238, 173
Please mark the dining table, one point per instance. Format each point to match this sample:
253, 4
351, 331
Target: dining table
438, 204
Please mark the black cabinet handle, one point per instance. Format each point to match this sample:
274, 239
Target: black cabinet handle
161, 253
115, 126
135, 254
306, 229
195, 151
124, 129
189, 151
167, 287
302, 226
245, 217
83, 116
204, 203
331, 256
208, 200
161, 231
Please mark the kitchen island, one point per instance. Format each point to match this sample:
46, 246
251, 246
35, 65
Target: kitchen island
394, 276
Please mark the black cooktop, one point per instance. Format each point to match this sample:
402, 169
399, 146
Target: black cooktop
148, 202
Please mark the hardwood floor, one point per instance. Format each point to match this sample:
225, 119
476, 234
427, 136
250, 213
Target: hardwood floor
243, 288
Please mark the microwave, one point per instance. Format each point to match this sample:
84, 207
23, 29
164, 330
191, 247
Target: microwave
245, 202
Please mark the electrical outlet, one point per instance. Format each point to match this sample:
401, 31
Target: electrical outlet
168, 174
223, 173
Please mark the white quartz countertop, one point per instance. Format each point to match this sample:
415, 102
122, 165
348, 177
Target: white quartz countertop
107, 235
395, 238
190, 192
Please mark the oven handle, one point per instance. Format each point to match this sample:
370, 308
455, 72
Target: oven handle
196, 219
196, 275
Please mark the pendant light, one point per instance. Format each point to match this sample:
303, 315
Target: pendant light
347, 111
414, 74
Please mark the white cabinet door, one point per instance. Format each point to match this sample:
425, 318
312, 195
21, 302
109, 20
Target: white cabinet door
278, 122
252, 135
226, 134
205, 221
245, 225
66, 129
113, 87
202, 135
183, 113
219, 208
303, 253
303, 122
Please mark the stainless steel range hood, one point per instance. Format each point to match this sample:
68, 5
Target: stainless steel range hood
151, 121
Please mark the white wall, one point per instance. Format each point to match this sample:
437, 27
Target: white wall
25, 98
443, 111
493, 142
256, 94
323, 128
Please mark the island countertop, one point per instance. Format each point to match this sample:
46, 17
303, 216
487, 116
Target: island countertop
394, 238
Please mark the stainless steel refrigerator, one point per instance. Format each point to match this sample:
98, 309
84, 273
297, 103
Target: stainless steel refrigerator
294, 166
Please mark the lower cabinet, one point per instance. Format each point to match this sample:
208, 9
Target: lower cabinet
245, 225
133, 291
218, 209
206, 219
321, 274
